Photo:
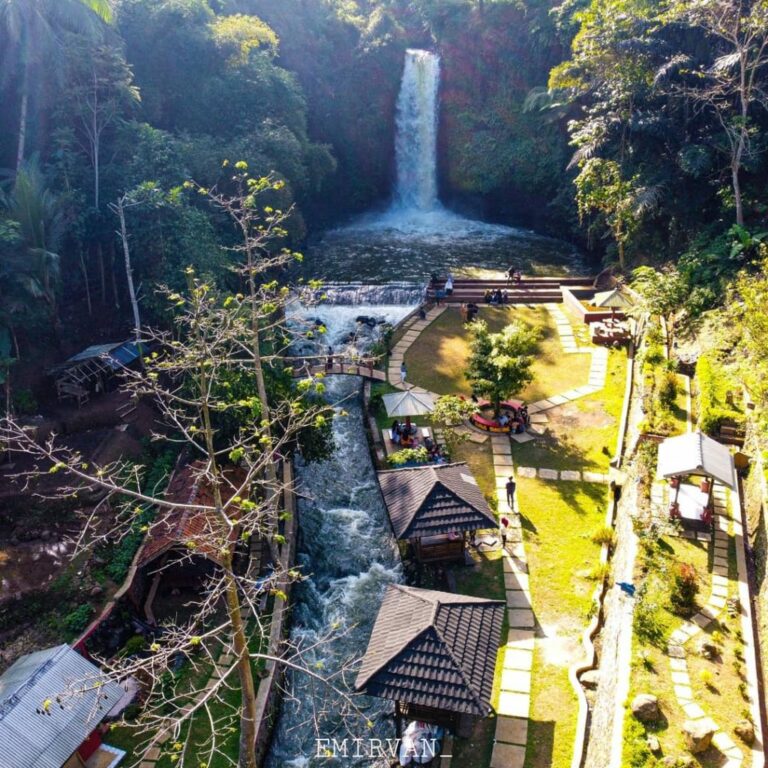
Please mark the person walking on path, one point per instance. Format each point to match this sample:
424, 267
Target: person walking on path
403, 372
511, 493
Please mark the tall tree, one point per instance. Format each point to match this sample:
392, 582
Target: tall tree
732, 85
499, 365
37, 211
32, 29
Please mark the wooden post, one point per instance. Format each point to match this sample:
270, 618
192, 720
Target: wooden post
398, 721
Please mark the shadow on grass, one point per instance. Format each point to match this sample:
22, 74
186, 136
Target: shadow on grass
541, 743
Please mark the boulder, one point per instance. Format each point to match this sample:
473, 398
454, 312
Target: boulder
745, 731
708, 649
654, 745
589, 679
645, 707
96, 590
698, 735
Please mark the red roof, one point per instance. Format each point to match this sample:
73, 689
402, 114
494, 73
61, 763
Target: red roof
201, 531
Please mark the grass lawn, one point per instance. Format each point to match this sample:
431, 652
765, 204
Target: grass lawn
437, 359
558, 518
717, 690
581, 434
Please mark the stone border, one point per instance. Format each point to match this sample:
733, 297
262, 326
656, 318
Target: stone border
413, 328
587, 642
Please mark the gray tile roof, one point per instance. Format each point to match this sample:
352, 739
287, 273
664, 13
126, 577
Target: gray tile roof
50, 702
695, 453
435, 499
433, 649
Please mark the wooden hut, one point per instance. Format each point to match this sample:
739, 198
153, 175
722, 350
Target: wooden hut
434, 507
433, 654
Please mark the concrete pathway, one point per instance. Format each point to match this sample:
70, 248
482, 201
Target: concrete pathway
515, 694
572, 475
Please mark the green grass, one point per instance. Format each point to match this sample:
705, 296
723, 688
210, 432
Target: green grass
437, 359
581, 435
558, 518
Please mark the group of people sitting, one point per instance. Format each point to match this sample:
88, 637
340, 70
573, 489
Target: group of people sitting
406, 435
469, 312
496, 297
517, 419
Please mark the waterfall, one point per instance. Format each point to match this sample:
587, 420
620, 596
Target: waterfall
416, 134
357, 294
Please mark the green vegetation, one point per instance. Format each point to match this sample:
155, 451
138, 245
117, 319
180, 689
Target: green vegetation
437, 360
499, 364
557, 520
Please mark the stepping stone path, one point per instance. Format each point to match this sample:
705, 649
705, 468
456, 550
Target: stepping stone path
515, 694
690, 629
571, 475
415, 326
597, 371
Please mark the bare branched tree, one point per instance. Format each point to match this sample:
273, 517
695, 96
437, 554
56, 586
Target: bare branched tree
203, 379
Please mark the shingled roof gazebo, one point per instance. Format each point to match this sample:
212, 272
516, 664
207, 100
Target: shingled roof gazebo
433, 507
434, 654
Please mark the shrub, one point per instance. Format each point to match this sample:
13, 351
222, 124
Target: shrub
667, 390
24, 402
638, 754
134, 645
648, 623
685, 587
599, 572
76, 621
604, 535
408, 455
707, 677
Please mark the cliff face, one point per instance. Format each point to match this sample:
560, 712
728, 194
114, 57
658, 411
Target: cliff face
496, 160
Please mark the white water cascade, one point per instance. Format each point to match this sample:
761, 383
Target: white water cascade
416, 137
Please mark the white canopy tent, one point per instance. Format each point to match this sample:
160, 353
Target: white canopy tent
696, 454
409, 403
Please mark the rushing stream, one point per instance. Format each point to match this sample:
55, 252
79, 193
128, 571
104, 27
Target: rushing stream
346, 549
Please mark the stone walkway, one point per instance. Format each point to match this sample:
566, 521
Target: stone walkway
413, 327
563, 474
514, 697
690, 629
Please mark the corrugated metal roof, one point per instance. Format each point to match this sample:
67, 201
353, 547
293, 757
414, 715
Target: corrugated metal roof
435, 499
50, 701
696, 453
433, 649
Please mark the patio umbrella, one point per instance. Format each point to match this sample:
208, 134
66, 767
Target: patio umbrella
613, 299
409, 403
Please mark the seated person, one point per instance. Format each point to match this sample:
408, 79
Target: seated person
488, 296
504, 419
406, 441
395, 432
408, 428
429, 443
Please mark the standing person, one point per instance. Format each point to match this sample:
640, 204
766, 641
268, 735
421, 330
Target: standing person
511, 493
403, 372
449, 285
511, 272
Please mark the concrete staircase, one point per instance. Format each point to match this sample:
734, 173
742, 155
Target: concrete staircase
530, 290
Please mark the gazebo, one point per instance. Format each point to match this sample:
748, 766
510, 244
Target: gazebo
694, 453
433, 507
433, 654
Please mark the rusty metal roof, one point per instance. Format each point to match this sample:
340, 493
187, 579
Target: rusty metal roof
434, 499
433, 649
